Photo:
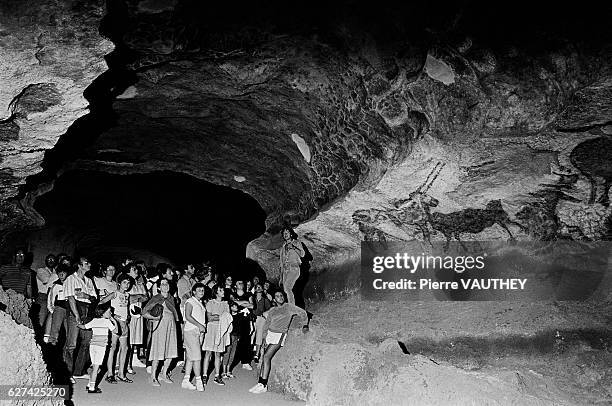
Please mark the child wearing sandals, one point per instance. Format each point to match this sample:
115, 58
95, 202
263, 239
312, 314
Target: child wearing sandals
101, 325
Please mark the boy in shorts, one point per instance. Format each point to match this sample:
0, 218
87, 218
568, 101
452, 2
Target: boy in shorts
101, 325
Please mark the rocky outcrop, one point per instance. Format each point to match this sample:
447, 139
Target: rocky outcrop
50, 51
17, 306
323, 373
388, 352
22, 360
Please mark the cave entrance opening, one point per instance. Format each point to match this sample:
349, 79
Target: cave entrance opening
159, 216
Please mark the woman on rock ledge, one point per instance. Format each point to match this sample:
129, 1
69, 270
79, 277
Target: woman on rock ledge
291, 254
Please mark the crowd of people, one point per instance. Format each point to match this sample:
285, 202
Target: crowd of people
109, 320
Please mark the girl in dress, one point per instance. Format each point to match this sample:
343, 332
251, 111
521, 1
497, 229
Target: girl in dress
163, 337
218, 328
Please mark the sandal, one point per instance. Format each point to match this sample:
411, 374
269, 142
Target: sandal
124, 379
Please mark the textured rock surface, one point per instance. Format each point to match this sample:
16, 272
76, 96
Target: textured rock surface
21, 359
345, 374
50, 51
17, 306
459, 353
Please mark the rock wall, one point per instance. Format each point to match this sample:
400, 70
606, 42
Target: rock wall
50, 51
17, 306
346, 373
20, 356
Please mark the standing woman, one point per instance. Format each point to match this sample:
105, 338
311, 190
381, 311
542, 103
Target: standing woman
163, 337
244, 351
278, 320
218, 330
291, 254
138, 296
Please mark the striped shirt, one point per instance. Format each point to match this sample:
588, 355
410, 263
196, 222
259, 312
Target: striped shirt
15, 277
75, 282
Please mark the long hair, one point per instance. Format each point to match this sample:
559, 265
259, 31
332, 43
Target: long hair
292, 233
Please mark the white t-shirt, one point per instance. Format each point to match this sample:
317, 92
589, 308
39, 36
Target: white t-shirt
198, 312
120, 304
100, 327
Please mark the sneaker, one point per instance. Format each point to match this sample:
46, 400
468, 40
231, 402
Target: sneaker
188, 385
111, 379
165, 379
199, 385
131, 371
46, 339
248, 367
149, 369
72, 380
154, 382
137, 363
230, 375
205, 380
94, 390
84, 376
260, 389
256, 387
181, 362
218, 380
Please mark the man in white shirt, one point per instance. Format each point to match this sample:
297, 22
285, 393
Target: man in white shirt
79, 290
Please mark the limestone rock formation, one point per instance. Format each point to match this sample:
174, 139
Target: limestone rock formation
17, 306
50, 52
21, 360
349, 373
338, 132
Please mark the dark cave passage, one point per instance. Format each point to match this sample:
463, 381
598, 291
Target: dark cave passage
172, 215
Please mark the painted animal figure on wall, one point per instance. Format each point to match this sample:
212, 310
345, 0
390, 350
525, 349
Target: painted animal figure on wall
593, 158
472, 221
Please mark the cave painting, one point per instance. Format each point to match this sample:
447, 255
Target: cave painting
593, 158
469, 220
415, 211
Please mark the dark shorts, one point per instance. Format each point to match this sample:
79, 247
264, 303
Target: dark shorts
122, 328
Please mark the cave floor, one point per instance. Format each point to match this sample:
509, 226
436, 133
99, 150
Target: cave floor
568, 345
235, 392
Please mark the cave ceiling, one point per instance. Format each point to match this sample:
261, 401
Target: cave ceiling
294, 109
